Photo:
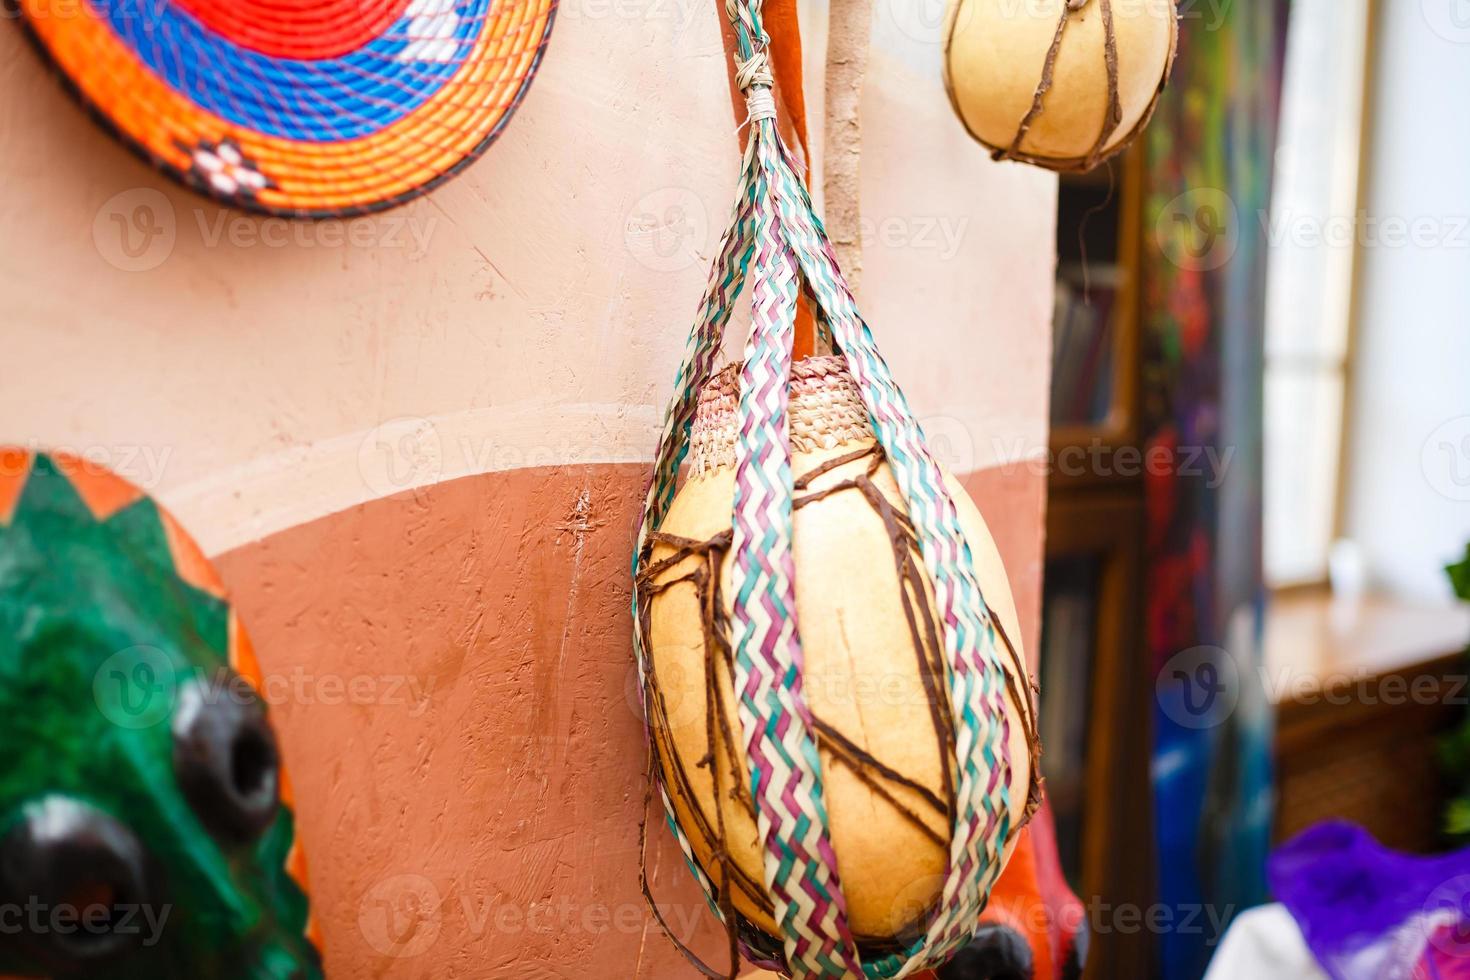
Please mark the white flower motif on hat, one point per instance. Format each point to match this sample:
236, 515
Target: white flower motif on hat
432, 25
226, 170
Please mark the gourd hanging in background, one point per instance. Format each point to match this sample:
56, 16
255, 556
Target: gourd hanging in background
1063, 84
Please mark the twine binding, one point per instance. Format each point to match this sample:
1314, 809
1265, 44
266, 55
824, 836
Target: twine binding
1112, 113
826, 413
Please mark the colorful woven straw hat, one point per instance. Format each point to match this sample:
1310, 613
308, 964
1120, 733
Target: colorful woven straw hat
308, 108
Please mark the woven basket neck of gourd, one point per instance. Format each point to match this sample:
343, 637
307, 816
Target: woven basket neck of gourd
825, 411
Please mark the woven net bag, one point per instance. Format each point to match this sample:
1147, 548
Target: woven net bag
841, 732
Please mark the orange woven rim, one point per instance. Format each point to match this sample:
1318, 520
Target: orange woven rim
302, 108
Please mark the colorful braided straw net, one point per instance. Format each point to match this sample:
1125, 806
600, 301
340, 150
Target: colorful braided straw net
777, 243
305, 108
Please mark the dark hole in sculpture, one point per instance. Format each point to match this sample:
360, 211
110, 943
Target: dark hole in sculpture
77, 874
253, 764
225, 757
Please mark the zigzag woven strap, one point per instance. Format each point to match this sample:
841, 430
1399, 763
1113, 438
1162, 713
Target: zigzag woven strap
976, 675
775, 226
800, 866
727, 277
766, 669
703, 348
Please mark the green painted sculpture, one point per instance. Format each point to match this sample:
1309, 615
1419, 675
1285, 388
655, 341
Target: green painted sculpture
145, 826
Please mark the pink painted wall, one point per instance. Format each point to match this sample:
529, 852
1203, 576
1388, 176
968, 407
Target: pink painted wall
416, 443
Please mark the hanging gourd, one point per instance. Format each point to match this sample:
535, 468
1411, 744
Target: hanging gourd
842, 729
1063, 84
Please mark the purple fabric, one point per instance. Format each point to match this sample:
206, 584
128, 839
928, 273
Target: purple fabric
1368, 913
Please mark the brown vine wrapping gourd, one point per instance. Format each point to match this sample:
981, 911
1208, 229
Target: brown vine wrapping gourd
881, 719
1063, 84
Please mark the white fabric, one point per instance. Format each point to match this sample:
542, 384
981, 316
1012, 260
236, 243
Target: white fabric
1264, 943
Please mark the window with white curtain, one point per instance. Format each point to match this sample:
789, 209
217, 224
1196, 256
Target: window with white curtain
1313, 231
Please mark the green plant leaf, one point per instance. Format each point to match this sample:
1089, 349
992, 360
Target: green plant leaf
1459, 574
1457, 816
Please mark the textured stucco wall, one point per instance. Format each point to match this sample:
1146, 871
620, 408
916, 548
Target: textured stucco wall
417, 443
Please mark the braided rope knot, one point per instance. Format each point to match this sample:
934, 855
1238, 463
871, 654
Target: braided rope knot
754, 71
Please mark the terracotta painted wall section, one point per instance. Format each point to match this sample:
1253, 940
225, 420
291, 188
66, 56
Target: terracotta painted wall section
417, 443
